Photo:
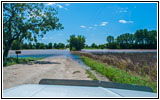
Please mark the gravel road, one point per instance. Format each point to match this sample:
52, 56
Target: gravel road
50, 68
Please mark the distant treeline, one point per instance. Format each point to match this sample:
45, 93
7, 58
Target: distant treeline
17, 46
141, 39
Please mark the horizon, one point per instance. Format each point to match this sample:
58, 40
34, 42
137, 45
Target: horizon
95, 22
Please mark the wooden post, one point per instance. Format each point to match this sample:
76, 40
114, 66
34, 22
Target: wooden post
17, 57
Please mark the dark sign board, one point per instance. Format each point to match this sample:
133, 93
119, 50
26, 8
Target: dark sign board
18, 52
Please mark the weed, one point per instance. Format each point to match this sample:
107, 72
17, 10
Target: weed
91, 75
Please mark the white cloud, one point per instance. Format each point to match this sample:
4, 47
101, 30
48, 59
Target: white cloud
87, 28
60, 6
104, 23
82, 26
67, 4
51, 3
124, 21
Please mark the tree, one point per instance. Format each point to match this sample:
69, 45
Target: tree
76, 43
61, 46
110, 39
25, 46
101, 46
146, 39
139, 37
33, 46
86, 46
152, 39
93, 45
17, 45
111, 43
49, 46
67, 46
27, 21
42, 46
72, 42
30, 45
55, 45
37, 45
80, 42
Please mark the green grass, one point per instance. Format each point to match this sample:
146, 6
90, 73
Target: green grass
118, 75
91, 75
12, 61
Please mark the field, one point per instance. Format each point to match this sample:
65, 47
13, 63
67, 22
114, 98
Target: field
132, 65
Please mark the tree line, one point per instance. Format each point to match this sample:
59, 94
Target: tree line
19, 46
141, 39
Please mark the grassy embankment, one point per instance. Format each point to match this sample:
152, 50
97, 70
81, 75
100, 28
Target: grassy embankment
12, 61
118, 75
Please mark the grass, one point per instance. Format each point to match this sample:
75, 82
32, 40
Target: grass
91, 75
12, 60
118, 75
142, 64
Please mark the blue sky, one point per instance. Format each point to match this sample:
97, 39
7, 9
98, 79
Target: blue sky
96, 21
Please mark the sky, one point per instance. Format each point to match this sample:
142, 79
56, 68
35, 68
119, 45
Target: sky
96, 21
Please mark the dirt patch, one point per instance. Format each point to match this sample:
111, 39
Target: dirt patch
50, 68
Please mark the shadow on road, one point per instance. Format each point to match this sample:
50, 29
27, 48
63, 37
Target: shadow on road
42, 62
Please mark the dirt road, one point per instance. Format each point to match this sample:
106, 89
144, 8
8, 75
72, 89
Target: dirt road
33, 72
